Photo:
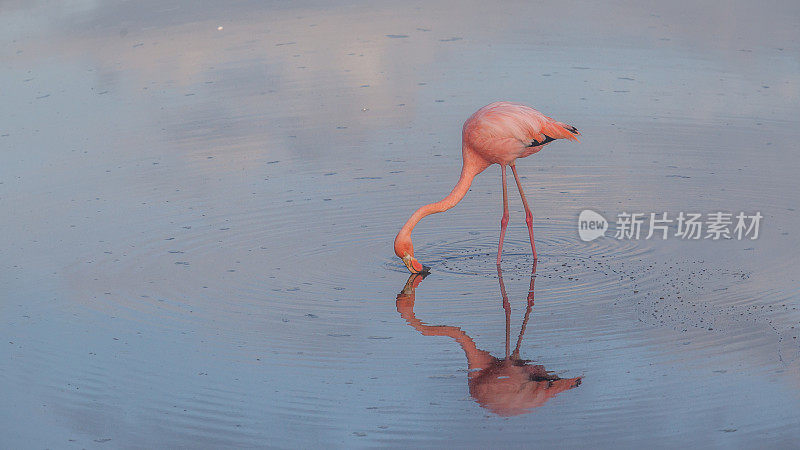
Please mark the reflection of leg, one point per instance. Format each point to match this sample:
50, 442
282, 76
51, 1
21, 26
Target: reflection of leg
515, 355
506, 308
533, 281
504, 220
528, 213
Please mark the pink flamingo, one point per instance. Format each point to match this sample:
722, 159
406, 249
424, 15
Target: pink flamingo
507, 386
498, 133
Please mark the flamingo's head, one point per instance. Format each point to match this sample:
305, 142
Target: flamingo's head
404, 249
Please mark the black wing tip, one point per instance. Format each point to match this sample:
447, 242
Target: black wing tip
535, 143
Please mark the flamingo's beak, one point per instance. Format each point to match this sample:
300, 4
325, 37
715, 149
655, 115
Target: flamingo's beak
415, 266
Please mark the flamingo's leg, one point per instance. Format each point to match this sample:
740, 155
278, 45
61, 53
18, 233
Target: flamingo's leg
528, 213
504, 220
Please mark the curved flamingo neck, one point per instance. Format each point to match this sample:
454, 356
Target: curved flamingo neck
459, 191
476, 358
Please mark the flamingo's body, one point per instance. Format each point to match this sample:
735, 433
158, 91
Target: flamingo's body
498, 133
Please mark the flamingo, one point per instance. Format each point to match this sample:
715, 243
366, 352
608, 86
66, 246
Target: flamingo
507, 386
498, 133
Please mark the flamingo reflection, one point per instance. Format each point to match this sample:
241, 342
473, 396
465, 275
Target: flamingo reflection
509, 386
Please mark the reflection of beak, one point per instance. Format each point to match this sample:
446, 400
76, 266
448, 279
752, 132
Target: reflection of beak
413, 281
409, 262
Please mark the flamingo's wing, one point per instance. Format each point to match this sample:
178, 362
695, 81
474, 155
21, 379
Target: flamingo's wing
542, 129
501, 121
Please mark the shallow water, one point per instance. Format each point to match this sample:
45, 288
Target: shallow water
198, 224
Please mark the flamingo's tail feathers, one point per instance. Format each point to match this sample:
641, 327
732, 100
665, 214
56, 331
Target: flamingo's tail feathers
569, 132
557, 130
570, 128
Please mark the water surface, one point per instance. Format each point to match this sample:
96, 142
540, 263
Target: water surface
199, 201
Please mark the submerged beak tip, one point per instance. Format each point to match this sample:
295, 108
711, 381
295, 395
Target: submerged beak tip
414, 266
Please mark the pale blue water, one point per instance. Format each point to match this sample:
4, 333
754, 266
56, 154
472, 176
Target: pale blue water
198, 223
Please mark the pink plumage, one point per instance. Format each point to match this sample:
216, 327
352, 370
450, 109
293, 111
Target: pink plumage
504, 131
498, 133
